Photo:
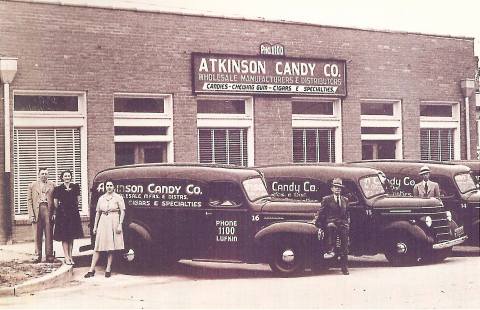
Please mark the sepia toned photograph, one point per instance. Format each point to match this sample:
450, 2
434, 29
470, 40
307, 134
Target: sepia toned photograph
180, 154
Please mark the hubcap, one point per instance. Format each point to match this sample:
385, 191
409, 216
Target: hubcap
130, 255
288, 256
401, 248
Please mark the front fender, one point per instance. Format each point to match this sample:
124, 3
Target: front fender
300, 228
140, 230
414, 230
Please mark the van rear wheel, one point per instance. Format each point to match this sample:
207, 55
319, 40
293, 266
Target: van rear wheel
138, 255
287, 257
402, 250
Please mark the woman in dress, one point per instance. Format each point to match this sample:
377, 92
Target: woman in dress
108, 227
68, 226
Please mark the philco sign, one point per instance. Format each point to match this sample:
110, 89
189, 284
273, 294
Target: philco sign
272, 50
216, 73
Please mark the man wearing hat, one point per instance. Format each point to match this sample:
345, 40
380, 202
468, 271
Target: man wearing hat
333, 215
426, 188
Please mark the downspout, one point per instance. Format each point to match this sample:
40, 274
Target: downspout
468, 89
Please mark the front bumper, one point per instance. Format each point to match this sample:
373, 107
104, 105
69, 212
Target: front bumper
450, 243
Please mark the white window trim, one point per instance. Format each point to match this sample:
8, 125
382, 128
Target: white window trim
38, 119
225, 120
322, 121
391, 121
427, 122
132, 119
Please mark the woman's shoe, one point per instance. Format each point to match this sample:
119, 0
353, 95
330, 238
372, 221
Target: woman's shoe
89, 274
108, 274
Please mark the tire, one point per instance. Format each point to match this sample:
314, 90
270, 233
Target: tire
288, 257
436, 256
138, 255
402, 250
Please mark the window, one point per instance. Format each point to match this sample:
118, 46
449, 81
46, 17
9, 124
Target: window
371, 186
436, 110
224, 194
440, 130
139, 105
56, 149
45, 103
49, 130
143, 128
381, 128
129, 153
225, 130
223, 146
313, 108
255, 188
436, 144
312, 145
376, 108
221, 106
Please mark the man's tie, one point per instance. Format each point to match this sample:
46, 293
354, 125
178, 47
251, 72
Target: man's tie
426, 189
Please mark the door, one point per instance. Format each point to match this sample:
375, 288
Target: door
378, 150
226, 223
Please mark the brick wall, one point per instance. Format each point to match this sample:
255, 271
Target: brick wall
273, 130
104, 51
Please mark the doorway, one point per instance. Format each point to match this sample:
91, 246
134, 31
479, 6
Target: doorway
378, 149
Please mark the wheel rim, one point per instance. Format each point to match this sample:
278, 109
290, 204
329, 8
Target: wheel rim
288, 256
401, 248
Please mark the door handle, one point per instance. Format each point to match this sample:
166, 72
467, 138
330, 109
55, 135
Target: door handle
207, 213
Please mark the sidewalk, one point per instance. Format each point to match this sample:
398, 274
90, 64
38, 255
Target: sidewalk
61, 273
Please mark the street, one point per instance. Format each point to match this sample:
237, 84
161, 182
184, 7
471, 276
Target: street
372, 283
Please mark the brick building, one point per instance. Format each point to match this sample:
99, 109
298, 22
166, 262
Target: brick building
97, 87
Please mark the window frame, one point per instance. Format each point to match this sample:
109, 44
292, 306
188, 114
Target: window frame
227, 120
69, 119
142, 119
320, 121
432, 122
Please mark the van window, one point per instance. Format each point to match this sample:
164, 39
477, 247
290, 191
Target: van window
255, 188
465, 182
224, 194
371, 186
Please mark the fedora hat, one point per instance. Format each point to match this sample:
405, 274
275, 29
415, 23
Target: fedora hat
337, 182
424, 170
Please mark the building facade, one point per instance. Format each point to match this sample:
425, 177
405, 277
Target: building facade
98, 87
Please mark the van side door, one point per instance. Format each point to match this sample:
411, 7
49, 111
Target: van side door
226, 223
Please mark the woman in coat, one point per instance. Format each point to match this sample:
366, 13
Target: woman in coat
108, 227
68, 226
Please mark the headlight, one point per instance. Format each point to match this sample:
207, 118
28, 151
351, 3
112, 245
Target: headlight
449, 215
428, 220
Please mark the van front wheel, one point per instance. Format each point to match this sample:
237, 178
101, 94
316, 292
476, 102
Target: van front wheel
402, 250
287, 257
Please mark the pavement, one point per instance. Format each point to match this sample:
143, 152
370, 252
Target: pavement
64, 274
60, 276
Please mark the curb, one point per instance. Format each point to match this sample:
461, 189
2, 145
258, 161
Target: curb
60, 276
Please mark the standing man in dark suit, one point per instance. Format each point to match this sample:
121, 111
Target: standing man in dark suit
41, 209
426, 188
333, 215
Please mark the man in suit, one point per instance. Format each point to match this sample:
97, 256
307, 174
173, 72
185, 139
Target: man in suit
40, 209
334, 217
426, 188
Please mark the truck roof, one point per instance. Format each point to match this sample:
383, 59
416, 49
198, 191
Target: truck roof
327, 171
412, 167
203, 172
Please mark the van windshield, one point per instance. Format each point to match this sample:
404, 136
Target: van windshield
465, 182
255, 188
371, 186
